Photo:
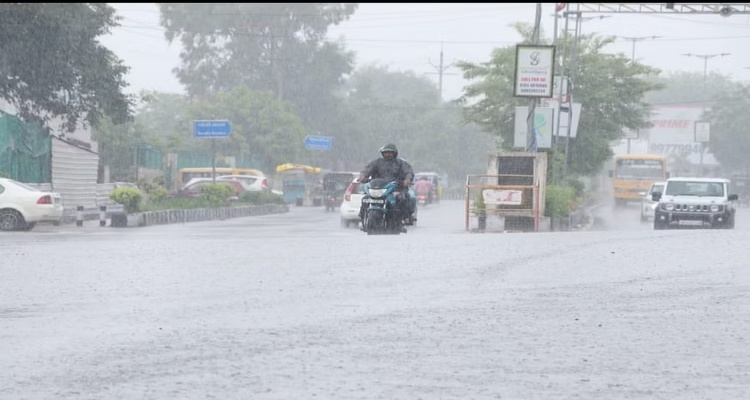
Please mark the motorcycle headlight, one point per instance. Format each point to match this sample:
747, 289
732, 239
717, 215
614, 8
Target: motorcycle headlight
669, 207
714, 208
376, 192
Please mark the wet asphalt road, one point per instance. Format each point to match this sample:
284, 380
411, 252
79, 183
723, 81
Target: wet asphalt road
293, 306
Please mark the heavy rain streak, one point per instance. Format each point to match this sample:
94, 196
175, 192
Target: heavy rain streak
370, 201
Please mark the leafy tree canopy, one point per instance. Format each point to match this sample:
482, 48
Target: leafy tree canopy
609, 87
729, 119
262, 45
403, 108
53, 66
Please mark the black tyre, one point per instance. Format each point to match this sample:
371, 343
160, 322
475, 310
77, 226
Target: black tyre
11, 220
730, 222
29, 226
659, 225
374, 222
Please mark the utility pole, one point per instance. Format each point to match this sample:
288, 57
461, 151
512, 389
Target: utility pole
572, 71
705, 58
440, 70
530, 123
632, 60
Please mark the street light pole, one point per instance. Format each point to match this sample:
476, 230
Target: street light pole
705, 58
637, 39
632, 59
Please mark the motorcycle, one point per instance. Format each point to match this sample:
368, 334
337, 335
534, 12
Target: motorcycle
382, 213
423, 199
330, 200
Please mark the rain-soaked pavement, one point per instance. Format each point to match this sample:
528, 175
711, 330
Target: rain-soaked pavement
293, 306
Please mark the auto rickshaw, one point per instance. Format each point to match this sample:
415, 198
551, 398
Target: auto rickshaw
334, 187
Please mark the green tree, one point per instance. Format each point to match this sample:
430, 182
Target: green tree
54, 66
269, 47
406, 109
729, 119
609, 87
116, 144
263, 127
164, 118
682, 87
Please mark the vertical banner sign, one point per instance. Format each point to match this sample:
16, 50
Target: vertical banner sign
543, 123
534, 71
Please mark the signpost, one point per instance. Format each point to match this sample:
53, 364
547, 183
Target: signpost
212, 129
315, 142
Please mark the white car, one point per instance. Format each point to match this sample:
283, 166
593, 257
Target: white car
22, 206
250, 183
648, 205
352, 202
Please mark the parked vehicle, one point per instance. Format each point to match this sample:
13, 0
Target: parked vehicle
648, 205
250, 183
697, 202
382, 214
186, 174
23, 206
193, 188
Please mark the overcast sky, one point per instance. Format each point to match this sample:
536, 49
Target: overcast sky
410, 36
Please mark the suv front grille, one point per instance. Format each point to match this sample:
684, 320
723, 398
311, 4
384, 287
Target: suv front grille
693, 208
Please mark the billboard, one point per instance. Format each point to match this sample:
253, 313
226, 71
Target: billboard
673, 130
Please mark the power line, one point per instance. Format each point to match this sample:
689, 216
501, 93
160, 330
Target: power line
417, 41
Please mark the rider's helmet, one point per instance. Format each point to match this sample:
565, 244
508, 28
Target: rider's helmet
390, 147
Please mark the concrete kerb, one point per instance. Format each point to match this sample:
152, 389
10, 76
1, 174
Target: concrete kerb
164, 217
202, 214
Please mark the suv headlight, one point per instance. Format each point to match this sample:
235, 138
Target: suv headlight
715, 208
669, 207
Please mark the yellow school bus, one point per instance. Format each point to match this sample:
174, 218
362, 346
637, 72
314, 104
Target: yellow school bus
634, 173
186, 174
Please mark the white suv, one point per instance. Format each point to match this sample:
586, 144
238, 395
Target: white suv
695, 201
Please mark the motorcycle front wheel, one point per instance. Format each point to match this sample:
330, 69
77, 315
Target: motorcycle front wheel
374, 222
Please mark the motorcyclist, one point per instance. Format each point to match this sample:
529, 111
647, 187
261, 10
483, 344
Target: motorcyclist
424, 186
391, 168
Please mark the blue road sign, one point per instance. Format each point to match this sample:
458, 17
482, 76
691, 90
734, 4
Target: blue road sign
318, 142
211, 129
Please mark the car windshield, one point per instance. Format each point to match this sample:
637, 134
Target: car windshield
696, 188
656, 188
